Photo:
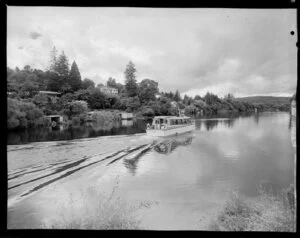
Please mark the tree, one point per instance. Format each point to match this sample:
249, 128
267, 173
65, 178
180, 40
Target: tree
74, 79
177, 96
22, 114
132, 104
27, 68
66, 88
147, 90
120, 87
62, 66
229, 97
88, 83
197, 97
187, 100
75, 108
130, 82
53, 82
111, 82
97, 99
53, 59
83, 94
211, 99
169, 95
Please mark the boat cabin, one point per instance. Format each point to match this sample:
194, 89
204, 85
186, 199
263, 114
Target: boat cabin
163, 122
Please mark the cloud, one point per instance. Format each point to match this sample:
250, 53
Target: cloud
34, 35
241, 51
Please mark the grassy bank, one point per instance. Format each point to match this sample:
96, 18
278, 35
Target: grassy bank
269, 212
95, 210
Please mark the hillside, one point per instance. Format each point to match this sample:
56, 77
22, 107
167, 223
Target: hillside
268, 102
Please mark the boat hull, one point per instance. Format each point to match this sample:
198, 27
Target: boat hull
170, 131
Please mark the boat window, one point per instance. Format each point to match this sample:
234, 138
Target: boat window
172, 122
185, 121
176, 122
157, 121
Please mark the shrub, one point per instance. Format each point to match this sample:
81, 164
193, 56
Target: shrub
268, 212
22, 114
75, 120
146, 112
97, 211
75, 108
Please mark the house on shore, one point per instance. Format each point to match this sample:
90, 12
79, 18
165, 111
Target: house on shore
55, 120
108, 90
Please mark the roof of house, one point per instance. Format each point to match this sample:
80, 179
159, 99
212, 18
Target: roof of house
171, 117
53, 116
107, 87
49, 92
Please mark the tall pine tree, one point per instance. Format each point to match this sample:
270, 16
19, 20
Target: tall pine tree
59, 73
130, 82
62, 66
177, 96
75, 77
53, 59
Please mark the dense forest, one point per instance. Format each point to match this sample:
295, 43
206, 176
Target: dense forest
26, 106
269, 103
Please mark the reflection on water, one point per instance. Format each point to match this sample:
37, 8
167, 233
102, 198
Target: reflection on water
223, 154
89, 129
209, 124
256, 118
168, 146
187, 174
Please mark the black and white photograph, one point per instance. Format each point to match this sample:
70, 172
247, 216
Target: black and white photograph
140, 118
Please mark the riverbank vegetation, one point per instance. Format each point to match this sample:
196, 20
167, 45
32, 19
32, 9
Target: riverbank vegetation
269, 212
77, 97
94, 210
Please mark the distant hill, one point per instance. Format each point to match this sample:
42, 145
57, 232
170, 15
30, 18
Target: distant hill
265, 100
268, 102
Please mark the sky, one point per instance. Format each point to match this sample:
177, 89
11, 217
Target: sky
245, 52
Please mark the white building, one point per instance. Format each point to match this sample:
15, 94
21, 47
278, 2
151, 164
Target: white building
108, 90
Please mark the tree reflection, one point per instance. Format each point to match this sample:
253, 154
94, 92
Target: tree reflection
131, 165
198, 124
229, 123
210, 124
164, 147
256, 118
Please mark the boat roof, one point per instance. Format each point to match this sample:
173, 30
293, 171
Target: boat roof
53, 116
170, 117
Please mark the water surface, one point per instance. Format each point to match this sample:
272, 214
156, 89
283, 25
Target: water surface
187, 176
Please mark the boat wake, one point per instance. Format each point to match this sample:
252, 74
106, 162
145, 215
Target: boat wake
26, 182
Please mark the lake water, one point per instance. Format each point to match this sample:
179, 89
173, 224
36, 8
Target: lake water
188, 176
